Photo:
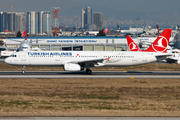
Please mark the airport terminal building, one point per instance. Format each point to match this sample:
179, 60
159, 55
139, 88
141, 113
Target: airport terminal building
75, 43
80, 43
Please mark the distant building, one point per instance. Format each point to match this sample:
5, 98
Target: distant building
86, 16
20, 23
46, 22
32, 22
39, 22
82, 18
98, 20
12, 21
3, 21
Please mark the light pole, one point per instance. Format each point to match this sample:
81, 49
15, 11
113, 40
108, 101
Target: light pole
105, 22
137, 25
76, 23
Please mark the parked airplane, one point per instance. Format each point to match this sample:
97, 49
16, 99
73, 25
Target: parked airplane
159, 43
134, 31
106, 30
173, 32
26, 45
78, 60
95, 32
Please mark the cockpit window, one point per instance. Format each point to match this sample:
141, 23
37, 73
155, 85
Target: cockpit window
25, 47
13, 56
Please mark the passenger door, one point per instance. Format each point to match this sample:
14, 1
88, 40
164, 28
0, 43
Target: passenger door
23, 56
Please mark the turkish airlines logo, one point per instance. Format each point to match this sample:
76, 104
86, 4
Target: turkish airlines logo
108, 58
161, 44
132, 46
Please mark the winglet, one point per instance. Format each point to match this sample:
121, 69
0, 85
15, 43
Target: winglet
132, 45
161, 43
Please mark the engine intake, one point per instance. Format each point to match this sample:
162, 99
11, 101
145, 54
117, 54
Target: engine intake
72, 67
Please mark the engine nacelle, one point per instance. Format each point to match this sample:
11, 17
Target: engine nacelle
72, 67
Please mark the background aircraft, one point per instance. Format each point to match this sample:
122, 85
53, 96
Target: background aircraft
134, 31
26, 45
158, 42
95, 33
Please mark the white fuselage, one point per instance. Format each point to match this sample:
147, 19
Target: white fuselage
60, 58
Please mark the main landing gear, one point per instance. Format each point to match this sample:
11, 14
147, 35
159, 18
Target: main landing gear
88, 71
24, 70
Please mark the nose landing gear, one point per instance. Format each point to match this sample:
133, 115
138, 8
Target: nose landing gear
24, 70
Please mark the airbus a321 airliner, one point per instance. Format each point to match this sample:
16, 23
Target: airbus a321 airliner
80, 60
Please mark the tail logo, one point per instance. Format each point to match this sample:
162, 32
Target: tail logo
132, 46
160, 45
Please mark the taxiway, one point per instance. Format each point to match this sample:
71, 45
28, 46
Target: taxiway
95, 74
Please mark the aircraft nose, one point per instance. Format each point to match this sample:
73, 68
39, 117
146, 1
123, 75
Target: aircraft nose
7, 60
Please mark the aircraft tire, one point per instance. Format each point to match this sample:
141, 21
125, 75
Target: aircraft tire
23, 71
88, 71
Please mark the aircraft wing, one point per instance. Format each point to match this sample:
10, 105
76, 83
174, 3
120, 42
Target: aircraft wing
22, 40
57, 47
16, 40
89, 63
163, 56
52, 47
8, 48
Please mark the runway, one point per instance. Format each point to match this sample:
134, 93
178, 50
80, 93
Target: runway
89, 118
95, 74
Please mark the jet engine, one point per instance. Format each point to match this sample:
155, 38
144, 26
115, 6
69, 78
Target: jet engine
72, 67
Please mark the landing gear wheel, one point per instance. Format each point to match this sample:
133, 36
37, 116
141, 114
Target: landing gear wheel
88, 71
24, 70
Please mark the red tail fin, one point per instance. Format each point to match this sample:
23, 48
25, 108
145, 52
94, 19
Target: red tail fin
161, 43
132, 45
24, 35
106, 31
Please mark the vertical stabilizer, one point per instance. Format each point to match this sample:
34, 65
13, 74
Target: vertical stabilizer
161, 43
132, 45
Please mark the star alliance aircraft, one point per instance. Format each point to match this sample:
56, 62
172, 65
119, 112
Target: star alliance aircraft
80, 60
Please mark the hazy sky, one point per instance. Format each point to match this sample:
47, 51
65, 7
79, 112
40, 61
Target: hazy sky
154, 10
67, 5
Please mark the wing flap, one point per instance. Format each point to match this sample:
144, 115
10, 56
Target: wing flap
8, 48
87, 61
